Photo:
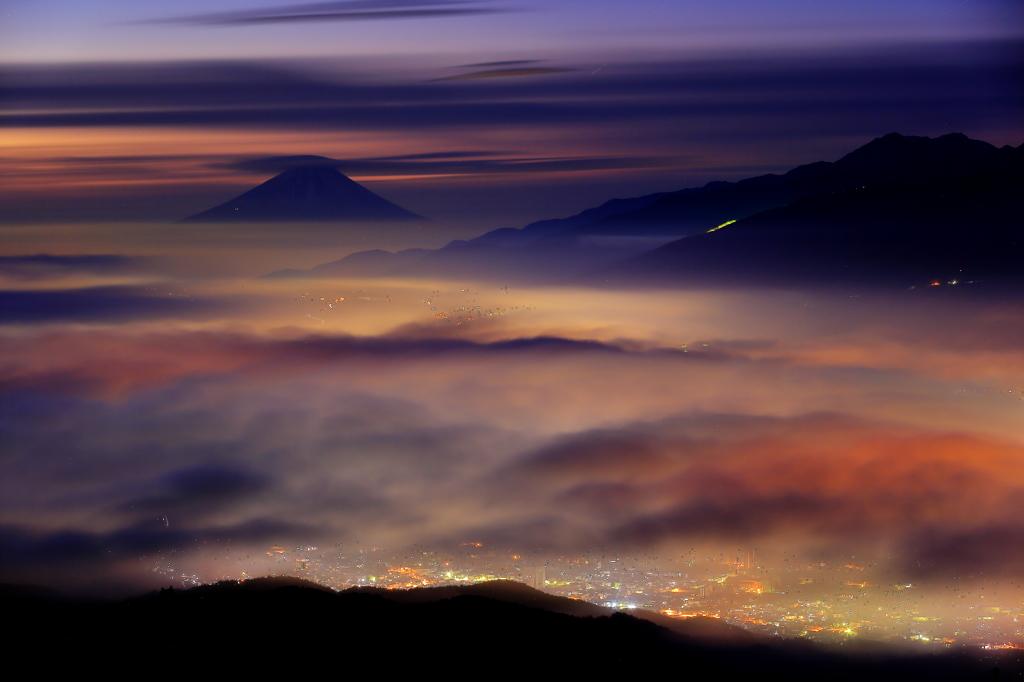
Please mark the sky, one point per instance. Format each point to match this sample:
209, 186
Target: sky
120, 111
157, 399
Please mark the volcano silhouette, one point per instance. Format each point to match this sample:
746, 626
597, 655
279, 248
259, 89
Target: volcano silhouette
305, 194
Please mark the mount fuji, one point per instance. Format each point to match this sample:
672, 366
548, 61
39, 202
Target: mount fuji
308, 193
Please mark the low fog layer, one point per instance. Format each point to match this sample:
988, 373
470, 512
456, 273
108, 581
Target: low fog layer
560, 420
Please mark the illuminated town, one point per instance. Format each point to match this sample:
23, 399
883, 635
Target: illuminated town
827, 601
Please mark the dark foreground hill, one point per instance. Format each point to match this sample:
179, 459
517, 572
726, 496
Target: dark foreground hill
313, 193
275, 626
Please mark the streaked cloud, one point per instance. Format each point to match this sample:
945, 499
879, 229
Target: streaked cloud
252, 93
504, 73
105, 303
469, 163
350, 10
43, 266
680, 112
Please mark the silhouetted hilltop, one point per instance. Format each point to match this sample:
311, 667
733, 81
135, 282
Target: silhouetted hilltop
305, 194
963, 229
360, 264
509, 236
275, 626
700, 627
895, 154
252, 585
892, 158
31, 594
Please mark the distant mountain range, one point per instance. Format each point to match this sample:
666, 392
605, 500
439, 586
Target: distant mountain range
898, 210
312, 192
275, 626
963, 229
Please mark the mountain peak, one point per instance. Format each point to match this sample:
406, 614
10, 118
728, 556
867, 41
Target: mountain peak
305, 193
896, 149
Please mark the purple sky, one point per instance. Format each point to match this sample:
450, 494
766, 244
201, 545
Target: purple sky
119, 111
65, 31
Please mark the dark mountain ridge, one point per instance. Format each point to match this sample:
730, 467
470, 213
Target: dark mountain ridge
706, 629
962, 230
305, 193
565, 249
892, 158
511, 236
290, 626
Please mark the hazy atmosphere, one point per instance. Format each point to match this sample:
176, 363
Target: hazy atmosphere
817, 367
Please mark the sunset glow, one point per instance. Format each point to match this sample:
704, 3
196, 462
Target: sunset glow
666, 416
